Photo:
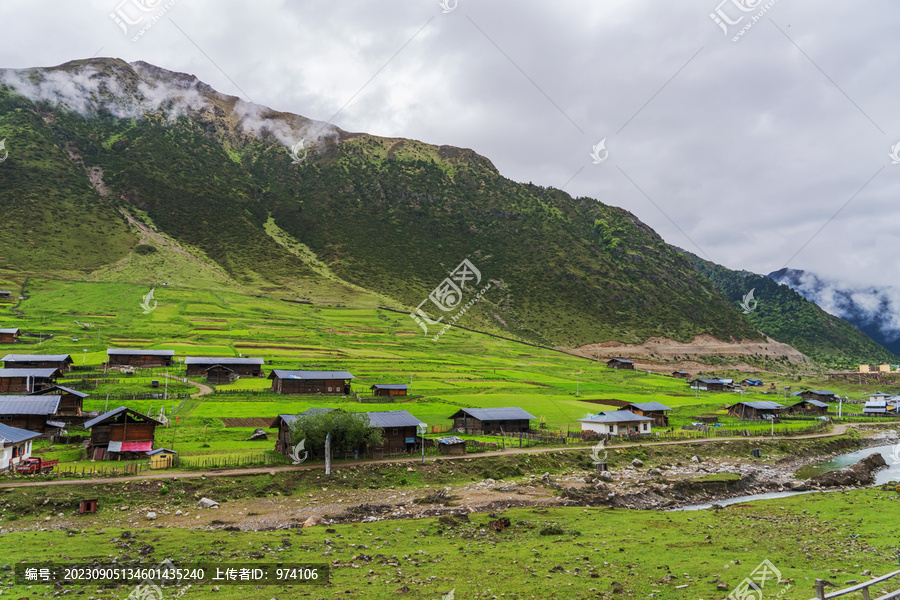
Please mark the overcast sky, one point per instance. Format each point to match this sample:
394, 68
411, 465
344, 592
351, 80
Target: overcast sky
741, 151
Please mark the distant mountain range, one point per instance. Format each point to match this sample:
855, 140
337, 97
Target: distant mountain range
875, 311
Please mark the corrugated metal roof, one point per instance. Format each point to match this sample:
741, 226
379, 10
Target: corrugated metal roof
621, 360
511, 413
27, 372
59, 424
762, 404
649, 406
29, 405
822, 392
814, 402
221, 360
390, 386
283, 374
159, 450
615, 416
14, 330
876, 403
113, 413
62, 389
14, 435
133, 352
708, 381
37, 357
392, 418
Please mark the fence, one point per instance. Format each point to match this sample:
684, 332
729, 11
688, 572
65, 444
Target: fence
245, 392
125, 468
231, 461
149, 396
862, 588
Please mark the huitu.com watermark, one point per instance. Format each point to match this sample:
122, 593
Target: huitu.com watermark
730, 16
448, 298
136, 17
752, 588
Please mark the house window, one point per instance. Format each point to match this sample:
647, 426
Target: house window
646, 427
396, 432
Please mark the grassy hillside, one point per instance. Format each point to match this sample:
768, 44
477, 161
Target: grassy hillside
785, 316
362, 220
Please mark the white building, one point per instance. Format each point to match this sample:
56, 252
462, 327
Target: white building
617, 422
15, 445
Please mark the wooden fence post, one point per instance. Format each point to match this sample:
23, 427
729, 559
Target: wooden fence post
820, 589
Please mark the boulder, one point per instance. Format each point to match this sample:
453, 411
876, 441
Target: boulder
862, 473
313, 521
606, 476
258, 435
695, 459
637, 463
799, 486
654, 473
151, 515
207, 503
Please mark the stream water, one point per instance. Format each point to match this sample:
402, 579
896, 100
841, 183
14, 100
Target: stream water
890, 453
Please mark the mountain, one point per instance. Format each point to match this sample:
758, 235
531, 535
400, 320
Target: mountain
786, 316
875, 311
131, 172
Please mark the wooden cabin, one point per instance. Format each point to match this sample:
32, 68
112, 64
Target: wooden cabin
71, 402
121, 433
9, 336
820, 395
398, 429
707, 385
616, 423
223, 369
389, 389
311, 382
654, 410
30, 412
681, 374
124, 357
808, 407
485, 421
18, 381
620, 363
61, 362
451, 445
762, 409
15, 445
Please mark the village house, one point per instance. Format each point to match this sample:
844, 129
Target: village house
223, 369
485, 421
760, 409
125, 357
808, 407
9, 336
752, 382
311, 382
620, 363
874, 408
71, 402
654, 410
616, 423
879, 396
398, 429
121, 433
5, 296
820, 395
389, 389
681, 374
34, 413
707, 385
62, 362
15, 445
17, 381
884, 368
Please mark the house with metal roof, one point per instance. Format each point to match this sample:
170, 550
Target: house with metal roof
18, 381
389, 389
63, 362
820, 395
681, 374
223, 369
485, 421
130, 357
620, 363
15, 445
121, 432
29, 412
71, 402
808, 407
758, 409
616, 423
398, 428
311, 382
707, 385
875, 407
9, 336
655, 410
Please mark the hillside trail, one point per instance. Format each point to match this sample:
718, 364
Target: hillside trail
204, 389
837, 431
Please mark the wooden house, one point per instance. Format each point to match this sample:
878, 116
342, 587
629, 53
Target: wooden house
6, 296
820, 395
15, 445
71, 402
451, 445
874, 408
125, 357
707, 385
654, 410
9, 336
121, 433
311, 382
389, 389
283, 424
398, 429
485, 421
616, 423
17, 381
62, 362
681, 374
620, 363
161, 458
762, 409
752, 382
808, 407
30, 412
223, 369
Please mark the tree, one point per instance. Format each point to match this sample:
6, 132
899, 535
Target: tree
349, 431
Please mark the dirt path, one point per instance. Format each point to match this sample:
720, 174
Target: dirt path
837, 431
204, 389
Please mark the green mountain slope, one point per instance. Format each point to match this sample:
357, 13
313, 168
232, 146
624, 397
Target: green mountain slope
213, 175
785, 316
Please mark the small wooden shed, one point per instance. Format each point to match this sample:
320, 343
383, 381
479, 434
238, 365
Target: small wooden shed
121, 433
389, 389
681, 374
71, 402
161, 458
451, 445
620, 363
9, 336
